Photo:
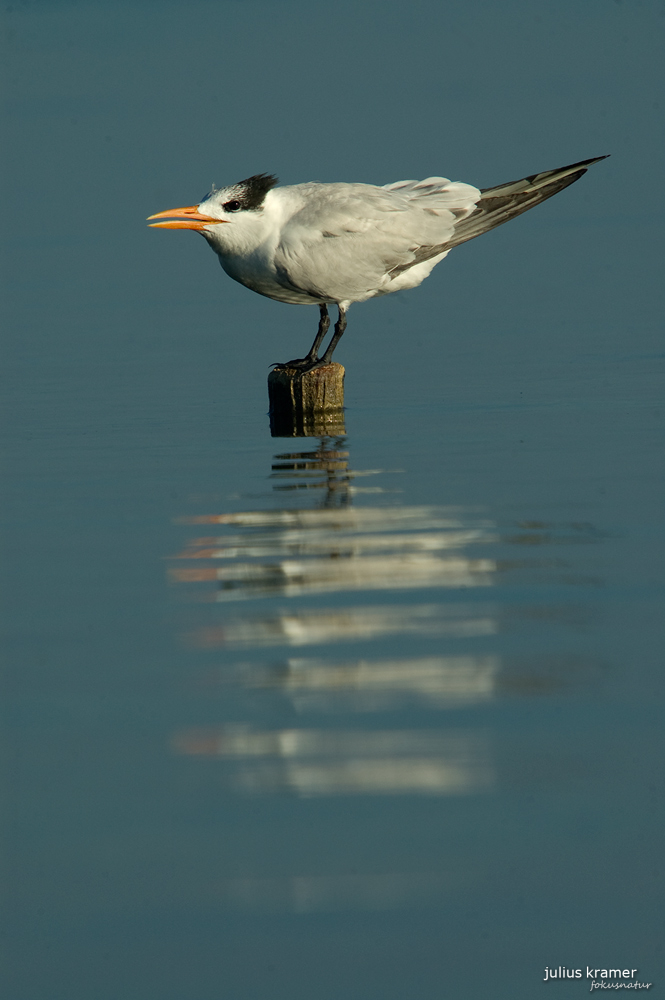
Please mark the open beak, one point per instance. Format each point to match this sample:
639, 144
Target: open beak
188, 218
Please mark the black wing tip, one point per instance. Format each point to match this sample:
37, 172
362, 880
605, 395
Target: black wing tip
572, 170
581, 166
587, 163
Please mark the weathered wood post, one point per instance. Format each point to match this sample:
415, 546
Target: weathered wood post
309, 404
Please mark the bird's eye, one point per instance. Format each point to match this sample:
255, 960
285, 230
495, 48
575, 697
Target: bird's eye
232, 206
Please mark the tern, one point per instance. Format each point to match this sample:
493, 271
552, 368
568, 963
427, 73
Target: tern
322, 244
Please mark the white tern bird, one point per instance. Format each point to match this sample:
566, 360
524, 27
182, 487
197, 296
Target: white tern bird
317, 244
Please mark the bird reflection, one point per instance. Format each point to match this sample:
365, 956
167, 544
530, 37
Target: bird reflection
346, 762
344, 891
333, 545
323, 685
412, 592
319, 685
325, 469
302, 627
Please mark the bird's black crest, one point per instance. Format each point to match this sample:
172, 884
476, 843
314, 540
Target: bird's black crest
252, 191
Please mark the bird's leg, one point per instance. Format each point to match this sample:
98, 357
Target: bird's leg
312, 361
313, 356
340, 327
324, 325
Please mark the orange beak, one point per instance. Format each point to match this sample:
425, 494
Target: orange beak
190, 218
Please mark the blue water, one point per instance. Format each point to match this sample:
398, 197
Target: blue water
368, 716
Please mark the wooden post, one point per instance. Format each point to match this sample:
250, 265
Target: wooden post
309, 405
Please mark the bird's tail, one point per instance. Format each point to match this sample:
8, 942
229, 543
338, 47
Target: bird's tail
503, 203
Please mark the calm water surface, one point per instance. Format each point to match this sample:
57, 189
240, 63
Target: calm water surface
323, 725
374, 715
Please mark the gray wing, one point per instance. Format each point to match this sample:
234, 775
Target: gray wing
345, 238
501, 204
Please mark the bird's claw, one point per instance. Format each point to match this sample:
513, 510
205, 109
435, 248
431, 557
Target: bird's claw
302, 364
